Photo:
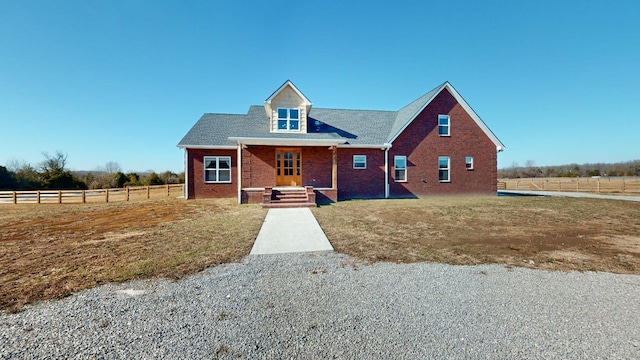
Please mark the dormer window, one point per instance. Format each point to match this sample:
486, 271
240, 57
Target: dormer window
289, 119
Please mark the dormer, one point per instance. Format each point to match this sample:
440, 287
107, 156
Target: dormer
287, 109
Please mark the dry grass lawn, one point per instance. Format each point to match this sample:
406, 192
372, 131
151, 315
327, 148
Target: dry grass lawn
538, 232
50, 251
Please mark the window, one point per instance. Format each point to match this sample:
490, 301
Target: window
468, 161
443, 169
217, 169
443, 125
288, 119
400, 164
359, 161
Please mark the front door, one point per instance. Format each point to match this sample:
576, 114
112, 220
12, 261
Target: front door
288, 167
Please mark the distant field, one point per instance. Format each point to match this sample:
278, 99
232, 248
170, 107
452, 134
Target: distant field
602, 185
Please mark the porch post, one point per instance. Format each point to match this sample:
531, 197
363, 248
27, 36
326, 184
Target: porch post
334, 168
186, 174
239, 166
386, 173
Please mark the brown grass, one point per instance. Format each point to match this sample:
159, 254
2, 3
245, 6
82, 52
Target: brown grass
554, 233
50, 251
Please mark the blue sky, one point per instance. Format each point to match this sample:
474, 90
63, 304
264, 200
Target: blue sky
557, 81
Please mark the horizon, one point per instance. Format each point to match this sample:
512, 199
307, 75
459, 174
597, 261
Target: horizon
124, 82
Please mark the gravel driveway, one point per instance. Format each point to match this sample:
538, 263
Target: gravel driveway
327, 305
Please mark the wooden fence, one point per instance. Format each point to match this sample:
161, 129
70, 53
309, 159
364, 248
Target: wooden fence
600, 185
91, 196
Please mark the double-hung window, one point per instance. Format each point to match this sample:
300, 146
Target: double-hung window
288, 119
444, 124
444, 167
359, 161
217, 169
468, 162
400, 165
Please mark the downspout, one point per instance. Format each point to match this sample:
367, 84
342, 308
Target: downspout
239, 166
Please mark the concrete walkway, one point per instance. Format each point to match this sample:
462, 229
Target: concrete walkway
290, 231
571, 194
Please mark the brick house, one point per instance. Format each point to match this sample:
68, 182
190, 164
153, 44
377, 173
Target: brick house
286, 152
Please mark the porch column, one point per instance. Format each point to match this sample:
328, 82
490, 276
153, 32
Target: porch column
239, 166
334, 168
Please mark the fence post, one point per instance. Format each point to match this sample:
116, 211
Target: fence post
59, 196
148, 192
38, 197
127, 193
168, 191
84, 197
598, 187
624, 185
15, 197
106, 195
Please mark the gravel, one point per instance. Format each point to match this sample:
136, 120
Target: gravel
328, 305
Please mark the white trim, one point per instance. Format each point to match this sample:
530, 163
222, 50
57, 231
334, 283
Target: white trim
448, 169
239, 167
386, 173
448, 126
288, 120
217, 157
499, 145
465, 162
395, 168
288, 82
286, 142
186, 174
208, 147
384, 146
354, 162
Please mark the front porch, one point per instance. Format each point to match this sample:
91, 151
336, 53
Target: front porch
293, 196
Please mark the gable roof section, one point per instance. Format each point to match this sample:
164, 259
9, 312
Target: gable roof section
358, 128
288, 83
407, 114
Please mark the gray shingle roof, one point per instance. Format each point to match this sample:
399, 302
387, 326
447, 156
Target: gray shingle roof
356, 127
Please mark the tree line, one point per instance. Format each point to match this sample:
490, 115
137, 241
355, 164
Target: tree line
530, 170
52, 174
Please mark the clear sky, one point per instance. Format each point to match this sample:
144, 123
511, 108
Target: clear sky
557, 81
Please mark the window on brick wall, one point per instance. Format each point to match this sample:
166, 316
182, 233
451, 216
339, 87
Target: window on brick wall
359, 161
468, 162
444, 166
400, 166
444, 124
217, 169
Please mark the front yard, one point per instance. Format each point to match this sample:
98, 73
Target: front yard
50, 251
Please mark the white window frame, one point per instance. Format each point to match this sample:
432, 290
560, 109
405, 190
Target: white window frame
396, 168
447, 169
217, 169
447, 126
361, 160
288, 119
468, 162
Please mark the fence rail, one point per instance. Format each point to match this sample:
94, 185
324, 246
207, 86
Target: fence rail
91, 196
603, 185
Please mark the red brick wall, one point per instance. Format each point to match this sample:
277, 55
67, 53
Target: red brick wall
198, 188
422, 145
360, 183
258, 166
